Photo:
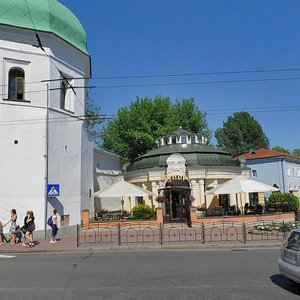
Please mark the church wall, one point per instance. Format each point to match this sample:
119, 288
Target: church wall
22, 151
23, 165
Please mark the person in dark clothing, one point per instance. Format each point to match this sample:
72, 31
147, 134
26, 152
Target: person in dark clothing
28, 228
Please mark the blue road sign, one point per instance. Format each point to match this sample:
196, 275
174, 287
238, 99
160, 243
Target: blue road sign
53, 190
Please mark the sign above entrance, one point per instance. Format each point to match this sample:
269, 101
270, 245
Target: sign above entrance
53, 190
171, 177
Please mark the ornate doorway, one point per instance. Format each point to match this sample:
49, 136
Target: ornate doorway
177, 204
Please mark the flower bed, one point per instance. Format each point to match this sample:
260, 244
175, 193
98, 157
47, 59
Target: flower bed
277, 227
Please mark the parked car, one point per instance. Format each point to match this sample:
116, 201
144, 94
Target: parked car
289, 262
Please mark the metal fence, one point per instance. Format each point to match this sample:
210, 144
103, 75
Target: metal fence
159, 234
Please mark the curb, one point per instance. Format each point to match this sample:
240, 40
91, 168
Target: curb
192, 247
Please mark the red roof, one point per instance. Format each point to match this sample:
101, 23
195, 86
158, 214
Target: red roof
266, 153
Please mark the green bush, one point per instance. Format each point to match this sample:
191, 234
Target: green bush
289, 198
143, 212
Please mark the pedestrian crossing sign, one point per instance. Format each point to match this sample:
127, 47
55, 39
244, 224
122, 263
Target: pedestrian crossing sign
53, 190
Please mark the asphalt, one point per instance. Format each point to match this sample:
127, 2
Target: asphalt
68, 243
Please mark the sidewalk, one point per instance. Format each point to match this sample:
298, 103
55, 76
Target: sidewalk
68, 243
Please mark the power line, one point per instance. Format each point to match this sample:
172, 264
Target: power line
45, 90
257, 107
169, 84
42, 121
196, 74
162, 75
196, 83
257, 111
79, 117
264, 109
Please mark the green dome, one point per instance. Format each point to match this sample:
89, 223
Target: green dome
47, 15
196, 155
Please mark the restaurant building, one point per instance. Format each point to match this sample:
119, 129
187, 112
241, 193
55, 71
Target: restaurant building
180, 170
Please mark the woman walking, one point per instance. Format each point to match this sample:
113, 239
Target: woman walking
13, 227
28, 228
53, 223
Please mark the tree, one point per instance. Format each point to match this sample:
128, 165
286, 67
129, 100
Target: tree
135, 129
241, 133
281, 149
94, 120
296, 152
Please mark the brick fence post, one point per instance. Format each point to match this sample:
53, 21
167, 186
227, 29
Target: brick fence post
85, 218
193, 214
159, 215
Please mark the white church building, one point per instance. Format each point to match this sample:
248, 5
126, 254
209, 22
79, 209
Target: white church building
43, 135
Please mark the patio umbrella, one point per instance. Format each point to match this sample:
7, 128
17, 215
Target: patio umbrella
241, 184
124, 189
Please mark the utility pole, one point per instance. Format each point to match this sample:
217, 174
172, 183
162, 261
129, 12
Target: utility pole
47, 162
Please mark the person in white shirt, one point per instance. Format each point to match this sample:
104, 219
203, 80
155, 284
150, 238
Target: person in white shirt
54, 227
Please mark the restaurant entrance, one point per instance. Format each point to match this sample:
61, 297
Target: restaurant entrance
177, 205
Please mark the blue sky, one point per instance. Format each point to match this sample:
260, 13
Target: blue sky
152, 37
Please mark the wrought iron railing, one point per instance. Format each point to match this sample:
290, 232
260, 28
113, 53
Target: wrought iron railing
159, 234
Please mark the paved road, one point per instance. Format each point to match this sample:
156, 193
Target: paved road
169, 274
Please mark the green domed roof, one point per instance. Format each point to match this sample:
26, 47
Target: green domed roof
196, 155
47, 15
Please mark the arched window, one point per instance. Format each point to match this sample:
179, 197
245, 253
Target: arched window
63, 93
174, 139
16, 78
183, 139
193, 139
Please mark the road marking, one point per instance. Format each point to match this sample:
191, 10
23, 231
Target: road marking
6, 256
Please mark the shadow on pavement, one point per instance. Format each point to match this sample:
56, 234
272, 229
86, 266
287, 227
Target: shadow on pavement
286, 284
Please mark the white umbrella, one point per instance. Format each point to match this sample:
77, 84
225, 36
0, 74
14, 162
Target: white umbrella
124, 189
241, 184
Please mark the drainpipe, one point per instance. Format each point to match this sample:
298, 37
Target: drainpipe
283, 182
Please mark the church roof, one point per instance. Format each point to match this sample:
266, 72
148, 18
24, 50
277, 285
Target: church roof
45, 15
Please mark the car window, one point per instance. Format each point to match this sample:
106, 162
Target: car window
293, 241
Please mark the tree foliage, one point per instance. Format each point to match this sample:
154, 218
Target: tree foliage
281, 149
241, 133
278, 197
134, 130
296, 152
94, 120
